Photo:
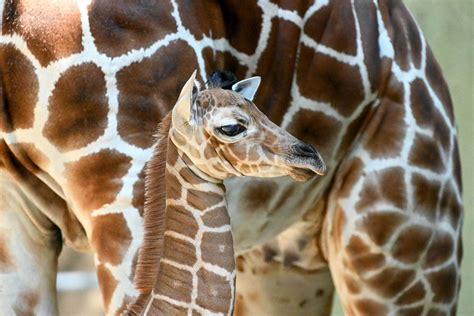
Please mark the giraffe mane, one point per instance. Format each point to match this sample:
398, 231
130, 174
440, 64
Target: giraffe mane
153, 214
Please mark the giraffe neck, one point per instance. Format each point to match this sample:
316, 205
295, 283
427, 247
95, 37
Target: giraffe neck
195, 270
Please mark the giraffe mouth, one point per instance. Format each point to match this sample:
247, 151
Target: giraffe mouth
303, 173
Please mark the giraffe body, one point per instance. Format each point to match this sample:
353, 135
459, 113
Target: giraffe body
354, 78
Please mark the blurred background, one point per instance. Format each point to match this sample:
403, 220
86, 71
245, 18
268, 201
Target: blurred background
449, 29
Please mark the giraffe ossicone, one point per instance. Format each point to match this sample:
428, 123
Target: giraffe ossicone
209, 136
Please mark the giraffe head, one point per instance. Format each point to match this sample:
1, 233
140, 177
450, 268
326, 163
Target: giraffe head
225, 134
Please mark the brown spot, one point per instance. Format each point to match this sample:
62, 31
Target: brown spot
385, 185
240, 263
334, 26
460, 250
302, 303
351, 175
138, 199
202, 18
218, 249
52, 30
190, 177
149, 89
214, 292
367, 18
317, 129
173, 186
338, 226
107, 284
77, 108
381, 225
110, 237
436, 80
179, 139
356, 246
391, 281
118, 29
385, 133
6, 259
239, 308
160, 307
319, 293
411, 243
299, 6
95, 180
436, 312
406, 38
179, 251
352, 285
201, 200
182, 221
258, 193
450, 208
279, 57
28, 300
174, 283
325, 79
414, 294
240, 21
217, 217
366, 262
440, 250
426, 195
352, 132
456, 164
411, 311
444, 284
426, 153
369, 307
253, 297
19, 91
427, 115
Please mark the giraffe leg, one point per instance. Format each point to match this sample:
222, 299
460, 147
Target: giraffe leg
29, 248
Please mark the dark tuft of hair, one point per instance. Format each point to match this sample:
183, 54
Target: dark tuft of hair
221, 79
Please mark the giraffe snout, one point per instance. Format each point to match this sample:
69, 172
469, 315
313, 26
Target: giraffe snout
305, 150
306, 158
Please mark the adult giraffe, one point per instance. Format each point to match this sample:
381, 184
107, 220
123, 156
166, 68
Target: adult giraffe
84, 85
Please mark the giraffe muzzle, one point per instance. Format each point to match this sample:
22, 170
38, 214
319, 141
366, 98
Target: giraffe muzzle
305, 162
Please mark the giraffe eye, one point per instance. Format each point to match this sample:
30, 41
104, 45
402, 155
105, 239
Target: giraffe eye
231, 130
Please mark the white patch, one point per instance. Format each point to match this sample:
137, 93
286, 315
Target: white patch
385, 44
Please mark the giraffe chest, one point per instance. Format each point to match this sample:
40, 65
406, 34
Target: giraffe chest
282, 215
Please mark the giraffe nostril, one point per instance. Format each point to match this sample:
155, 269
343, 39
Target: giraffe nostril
305, 150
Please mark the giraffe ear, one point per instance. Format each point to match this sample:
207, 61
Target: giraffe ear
183, 111
247, 87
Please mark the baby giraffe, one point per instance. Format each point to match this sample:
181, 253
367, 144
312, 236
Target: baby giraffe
186, 264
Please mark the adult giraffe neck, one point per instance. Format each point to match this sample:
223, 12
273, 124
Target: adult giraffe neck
187, 263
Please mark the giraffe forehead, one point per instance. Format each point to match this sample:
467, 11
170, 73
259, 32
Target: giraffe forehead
218, 98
